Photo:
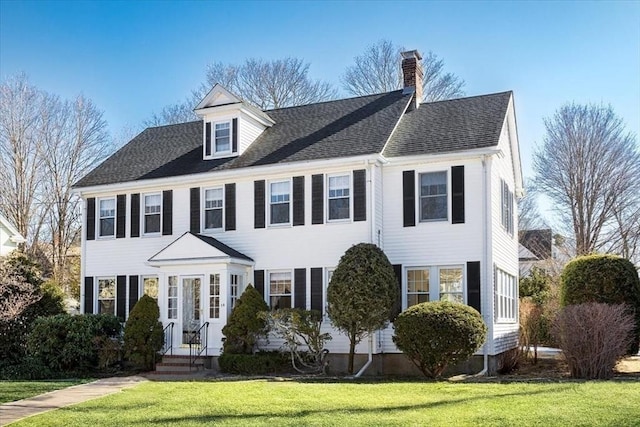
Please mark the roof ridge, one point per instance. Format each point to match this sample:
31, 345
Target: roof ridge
331, 100
468, 97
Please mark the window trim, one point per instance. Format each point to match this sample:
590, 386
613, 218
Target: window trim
144, 214
350, 197
290, 202
499, 310
434, 281
211, 297
99, 218
419, 196
176, 297
268, 287
214, 153
233, 299
97, 293
141, 285
406, 292
203, 209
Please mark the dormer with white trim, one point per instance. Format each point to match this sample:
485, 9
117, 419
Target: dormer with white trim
230, 125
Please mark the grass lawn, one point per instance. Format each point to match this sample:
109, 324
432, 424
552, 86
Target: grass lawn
16, 390
277, 403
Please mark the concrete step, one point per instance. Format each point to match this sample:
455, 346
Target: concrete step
181, 360
177, 367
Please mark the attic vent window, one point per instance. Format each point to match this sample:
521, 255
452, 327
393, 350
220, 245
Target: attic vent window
218, 137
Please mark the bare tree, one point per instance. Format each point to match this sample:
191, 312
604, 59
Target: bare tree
266, 84
73, 140
378, 70
16, 294
529, 217
589, 166
20, 119
46, 144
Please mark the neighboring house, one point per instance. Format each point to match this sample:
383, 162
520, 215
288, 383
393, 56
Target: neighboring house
192, 213
536, 248
10, 237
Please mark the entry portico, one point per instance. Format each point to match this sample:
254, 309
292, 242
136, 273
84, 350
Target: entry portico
200, 281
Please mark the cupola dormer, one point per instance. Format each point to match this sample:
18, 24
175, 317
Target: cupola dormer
230, 125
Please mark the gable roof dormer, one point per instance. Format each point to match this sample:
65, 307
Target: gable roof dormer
230, 125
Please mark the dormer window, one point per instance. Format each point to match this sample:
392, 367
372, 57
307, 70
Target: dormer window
219, 139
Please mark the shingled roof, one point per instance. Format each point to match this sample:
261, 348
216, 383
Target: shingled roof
326, 130
453, 125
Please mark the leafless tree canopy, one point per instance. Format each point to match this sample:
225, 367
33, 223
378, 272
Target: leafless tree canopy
589, 167
47, 144
266, 84
16, 294
378, 70
529, 217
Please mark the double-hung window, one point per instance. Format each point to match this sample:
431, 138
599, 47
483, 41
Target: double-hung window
507, 207
106, 295
150, 286
214, 296
152, 212
280, 290
417, 286
107, 217
222, 137
213, 206
433, 283
280, 196
506, 296
339, 197
433, 196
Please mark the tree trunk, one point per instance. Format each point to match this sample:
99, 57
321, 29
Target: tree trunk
352, 351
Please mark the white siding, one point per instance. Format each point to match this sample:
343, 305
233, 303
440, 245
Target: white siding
504, 245
248, 130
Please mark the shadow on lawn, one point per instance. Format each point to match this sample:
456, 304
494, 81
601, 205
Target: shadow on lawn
211, 418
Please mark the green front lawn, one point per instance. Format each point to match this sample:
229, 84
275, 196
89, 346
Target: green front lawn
277, 403
16, 390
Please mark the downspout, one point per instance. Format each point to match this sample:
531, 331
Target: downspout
485, 257
369, 360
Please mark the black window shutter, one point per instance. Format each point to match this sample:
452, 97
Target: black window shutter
230, 206
234, 135
409, 198
397, 309
88, 295
298, 200
167, 212
258, 204
258, 281
300, 283
133, 292
317, 199
360, 195
207, 139
91, 218
316, 289
457, 194
121, 219
473, 285
135, 215
121, 297
194, 210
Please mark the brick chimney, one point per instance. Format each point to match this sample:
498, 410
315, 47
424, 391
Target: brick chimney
412, 75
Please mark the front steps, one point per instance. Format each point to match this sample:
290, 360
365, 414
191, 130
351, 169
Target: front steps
178, 367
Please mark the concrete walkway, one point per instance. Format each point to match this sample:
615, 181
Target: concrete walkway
14, 411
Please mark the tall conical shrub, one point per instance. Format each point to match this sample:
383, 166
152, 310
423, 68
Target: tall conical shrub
245, 327
143, 336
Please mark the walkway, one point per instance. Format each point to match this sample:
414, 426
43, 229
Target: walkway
14, 411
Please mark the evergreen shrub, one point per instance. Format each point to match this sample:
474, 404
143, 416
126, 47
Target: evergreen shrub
245, 326
434, 335
143, 333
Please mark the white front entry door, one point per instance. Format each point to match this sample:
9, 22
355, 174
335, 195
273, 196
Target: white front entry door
191, 307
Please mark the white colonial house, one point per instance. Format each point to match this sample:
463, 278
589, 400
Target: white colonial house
10, 237
194, 212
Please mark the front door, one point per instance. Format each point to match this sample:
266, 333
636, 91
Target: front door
191, 307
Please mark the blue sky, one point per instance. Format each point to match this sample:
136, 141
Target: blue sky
133, 58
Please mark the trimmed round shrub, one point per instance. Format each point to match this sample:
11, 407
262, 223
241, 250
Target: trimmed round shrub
245, 327
606, 279
143, 335
434, 335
